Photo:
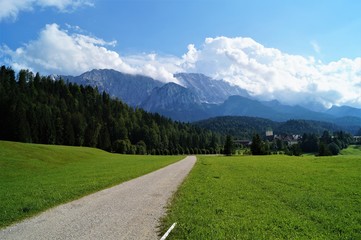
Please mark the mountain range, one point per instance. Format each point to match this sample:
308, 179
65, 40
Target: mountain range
196, 97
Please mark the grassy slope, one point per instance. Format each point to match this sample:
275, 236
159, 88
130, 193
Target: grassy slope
35, 177
354, 150
269, 197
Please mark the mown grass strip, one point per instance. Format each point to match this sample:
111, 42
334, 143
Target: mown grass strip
35, 177
269, 197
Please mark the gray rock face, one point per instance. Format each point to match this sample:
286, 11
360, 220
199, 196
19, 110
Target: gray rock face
171, 96
200, 97
175, 101
207, 89
132, 89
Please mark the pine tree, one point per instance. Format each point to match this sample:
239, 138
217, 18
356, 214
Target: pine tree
68, 134
228, 146
256, 146
41, 110
324, 150
104, 139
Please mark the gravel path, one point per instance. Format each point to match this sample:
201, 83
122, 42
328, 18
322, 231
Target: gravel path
130, 210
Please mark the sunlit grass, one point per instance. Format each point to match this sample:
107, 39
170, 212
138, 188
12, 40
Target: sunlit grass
269, 197
35, 177
354, 150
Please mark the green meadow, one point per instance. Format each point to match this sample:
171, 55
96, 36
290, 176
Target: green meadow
353, 150
269, 197
35, 177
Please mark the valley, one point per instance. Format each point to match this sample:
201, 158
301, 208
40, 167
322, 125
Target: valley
241, 194
156, 119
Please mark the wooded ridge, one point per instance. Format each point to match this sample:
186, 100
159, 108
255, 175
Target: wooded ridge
39, 109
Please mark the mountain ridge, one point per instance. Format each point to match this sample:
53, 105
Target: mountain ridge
209, 90
200, 97
132, 89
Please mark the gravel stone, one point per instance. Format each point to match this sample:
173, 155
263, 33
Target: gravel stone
130, 210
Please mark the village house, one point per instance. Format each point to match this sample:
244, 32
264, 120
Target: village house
290, 139
357, 139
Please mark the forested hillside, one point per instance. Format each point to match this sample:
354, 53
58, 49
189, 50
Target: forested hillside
38, 109
236, 126
245, 127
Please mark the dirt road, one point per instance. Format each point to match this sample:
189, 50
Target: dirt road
130, 210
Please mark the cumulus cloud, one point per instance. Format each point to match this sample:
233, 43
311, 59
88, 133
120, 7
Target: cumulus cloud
268, 73
158, 67
9, 9
57, 51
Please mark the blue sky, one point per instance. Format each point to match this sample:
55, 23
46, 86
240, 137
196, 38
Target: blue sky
266, 47
169, 26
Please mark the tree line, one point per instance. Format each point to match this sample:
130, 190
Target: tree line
325, 145
39, 109
243, 127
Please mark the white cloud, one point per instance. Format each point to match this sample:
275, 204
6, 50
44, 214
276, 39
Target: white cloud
266, 73
9, 9
64, 5
56, 51
158, 67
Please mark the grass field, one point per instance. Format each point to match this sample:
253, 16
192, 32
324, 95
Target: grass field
354, 150
35, 177
269, 197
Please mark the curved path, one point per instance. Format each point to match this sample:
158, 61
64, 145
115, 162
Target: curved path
130, 210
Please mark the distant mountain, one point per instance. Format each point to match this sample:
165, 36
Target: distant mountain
175, 101
344, 111
132, 89
296, 112
241, 106
135, 89
347, 117
314, 106
200, 97
207, 89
